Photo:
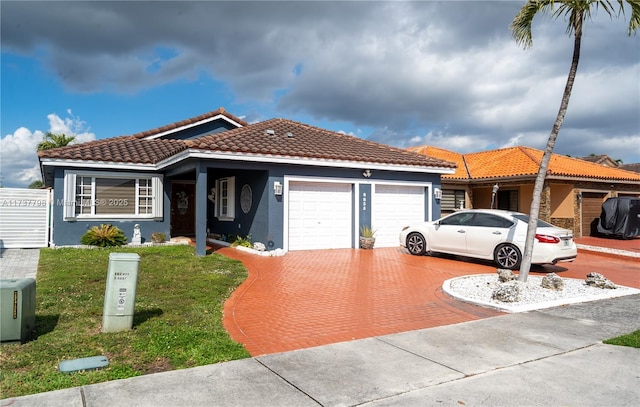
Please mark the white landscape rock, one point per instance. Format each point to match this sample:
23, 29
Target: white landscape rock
478, 289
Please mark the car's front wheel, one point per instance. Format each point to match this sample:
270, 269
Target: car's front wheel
416, 244
507, 256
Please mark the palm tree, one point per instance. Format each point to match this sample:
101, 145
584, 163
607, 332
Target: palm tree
576, 11
51, 140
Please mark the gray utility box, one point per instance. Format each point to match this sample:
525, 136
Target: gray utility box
120, 294
17, 309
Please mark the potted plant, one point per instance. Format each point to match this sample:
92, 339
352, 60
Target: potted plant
367, 239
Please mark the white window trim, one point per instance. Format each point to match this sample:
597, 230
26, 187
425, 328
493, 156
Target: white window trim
70, 178
231, 199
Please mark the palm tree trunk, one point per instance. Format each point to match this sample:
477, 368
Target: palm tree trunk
525, 266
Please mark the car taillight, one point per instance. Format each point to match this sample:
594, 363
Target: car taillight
547, 239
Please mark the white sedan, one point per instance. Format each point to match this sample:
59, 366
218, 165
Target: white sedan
490, 234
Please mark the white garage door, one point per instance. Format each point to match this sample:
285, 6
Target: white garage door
393, 207
320, 215
24, 218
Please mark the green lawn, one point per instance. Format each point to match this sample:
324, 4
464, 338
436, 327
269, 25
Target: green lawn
177, 322
631, 340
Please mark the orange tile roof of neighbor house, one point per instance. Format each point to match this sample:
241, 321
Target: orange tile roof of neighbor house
523, 162
457, 158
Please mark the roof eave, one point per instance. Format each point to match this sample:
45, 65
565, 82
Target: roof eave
197, 153
63, 162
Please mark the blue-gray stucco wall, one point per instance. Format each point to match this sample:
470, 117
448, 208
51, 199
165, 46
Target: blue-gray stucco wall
67, 233
265, 220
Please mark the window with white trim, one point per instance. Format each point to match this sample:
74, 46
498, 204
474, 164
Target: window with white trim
451, 201
112, 195
225, 208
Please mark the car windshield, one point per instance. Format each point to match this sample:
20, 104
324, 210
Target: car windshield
525, 219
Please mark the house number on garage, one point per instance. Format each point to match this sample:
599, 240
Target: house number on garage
364, 201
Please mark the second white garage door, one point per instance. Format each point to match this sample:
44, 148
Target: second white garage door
320, 215
393, 207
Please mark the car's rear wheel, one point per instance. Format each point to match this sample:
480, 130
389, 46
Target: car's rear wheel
507, 256
416, 244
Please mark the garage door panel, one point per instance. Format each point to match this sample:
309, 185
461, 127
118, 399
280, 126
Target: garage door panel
320, 215
591, 209
393, 207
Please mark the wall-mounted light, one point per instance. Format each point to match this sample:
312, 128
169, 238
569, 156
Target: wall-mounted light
366, 173
437, 193
493, 194
579, 196
277, 188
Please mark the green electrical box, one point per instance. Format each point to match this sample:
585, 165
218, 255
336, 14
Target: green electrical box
120, 294
17, 309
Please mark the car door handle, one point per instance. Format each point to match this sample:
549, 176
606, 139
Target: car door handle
497, 233
461, 231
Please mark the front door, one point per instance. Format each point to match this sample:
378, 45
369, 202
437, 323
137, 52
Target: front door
183, 208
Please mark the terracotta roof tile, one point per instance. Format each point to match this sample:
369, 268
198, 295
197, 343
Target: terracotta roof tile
275, 138
524, 162
457, 158
125, 149
287, 138
192, 120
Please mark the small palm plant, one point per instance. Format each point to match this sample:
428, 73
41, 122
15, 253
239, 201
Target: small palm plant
367, 237
104, 236
367, 231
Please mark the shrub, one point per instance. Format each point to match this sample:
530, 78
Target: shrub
242, 241
158, 237
104, 236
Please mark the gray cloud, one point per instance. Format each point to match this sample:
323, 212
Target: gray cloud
446, 73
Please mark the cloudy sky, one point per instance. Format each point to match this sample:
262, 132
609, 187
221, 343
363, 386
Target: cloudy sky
445, 73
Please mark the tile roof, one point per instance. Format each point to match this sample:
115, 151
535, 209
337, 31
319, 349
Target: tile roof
457, 158
287, 138
635, 167
524, 162
193, 120
124, 149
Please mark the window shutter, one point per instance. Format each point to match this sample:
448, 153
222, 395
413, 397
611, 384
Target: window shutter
231, 194
69, 205
158, 197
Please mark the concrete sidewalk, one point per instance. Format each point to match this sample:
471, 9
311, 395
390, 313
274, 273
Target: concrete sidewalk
548, 357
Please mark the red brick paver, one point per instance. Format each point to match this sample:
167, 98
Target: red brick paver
312, 298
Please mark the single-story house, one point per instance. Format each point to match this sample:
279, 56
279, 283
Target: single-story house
285, 184
572, 196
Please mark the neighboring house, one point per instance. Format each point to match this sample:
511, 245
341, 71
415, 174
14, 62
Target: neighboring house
635, 167
572, 197
286, 184
602, 160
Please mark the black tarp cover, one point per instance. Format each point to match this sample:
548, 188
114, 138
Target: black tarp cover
620, 217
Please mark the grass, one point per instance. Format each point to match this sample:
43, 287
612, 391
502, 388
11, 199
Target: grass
631, 340
177, 321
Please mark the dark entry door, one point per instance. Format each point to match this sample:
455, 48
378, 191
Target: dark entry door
183, 209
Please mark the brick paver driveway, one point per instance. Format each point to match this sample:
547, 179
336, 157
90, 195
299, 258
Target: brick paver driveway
312, 298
